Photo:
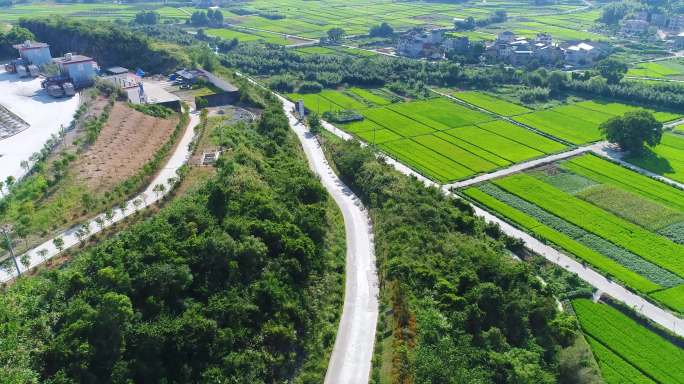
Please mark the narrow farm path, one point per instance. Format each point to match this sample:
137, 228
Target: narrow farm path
350, 361
527, 165
146, 198
606, 286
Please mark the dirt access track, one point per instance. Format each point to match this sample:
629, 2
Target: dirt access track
126, 143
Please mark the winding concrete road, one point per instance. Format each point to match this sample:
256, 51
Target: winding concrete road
605, 286
350, 362
149, 196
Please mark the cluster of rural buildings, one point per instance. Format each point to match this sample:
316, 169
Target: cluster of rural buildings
65, 75
507, 48
644, 23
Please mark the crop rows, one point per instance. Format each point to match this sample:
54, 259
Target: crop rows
639, 241
614, 369
440, 113
666, 159
656, 357
426, 161
625, 258
632, 207
601, 262
492, 104
505, 148
604, 171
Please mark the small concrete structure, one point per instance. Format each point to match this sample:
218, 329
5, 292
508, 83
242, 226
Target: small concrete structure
80, 69
34, 52
153, 93
679, 41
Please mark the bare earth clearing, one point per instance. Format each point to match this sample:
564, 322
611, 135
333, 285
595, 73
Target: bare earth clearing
127, 142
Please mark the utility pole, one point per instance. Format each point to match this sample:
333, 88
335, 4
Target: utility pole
5, 231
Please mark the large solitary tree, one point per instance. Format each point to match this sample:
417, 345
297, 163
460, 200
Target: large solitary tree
633, 130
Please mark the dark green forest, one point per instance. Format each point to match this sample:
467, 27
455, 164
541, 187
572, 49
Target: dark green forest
238, 282
462, 309
109, 44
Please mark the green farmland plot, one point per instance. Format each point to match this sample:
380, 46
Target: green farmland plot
565, 242
474, 149
370, 96
650, 354
570, 128
614, 369
441, 113
505, 148
426, 161
343, 100
665, 69
244, 36
396, 122
522, 136
456, 153
651, 247
490, 103
665, 159
579, 123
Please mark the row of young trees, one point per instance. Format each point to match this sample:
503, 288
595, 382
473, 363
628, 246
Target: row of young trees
236, 282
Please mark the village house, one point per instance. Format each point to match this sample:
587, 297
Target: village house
34, 52
581, 54
80, 69
519, 51
679, 41
634, 27
422, 43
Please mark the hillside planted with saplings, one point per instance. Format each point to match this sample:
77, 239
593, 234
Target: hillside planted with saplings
462, 309
239, 282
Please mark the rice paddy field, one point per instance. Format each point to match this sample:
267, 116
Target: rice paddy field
248, 36
627, 351
437, 137
313, 19
624, 224
579, 123
665, 159
94, 11
491, 103
665, 69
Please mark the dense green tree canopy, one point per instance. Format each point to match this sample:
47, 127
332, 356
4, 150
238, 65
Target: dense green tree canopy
633, 130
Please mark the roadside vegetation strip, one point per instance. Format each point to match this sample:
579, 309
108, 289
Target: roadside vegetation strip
614, 369
563, 127
442, 111
604, 171
671, 297
427, 162
242, 36
490, 103
455, 153
503, 147
647, 351
597, 260
620, 255
637, 209
665, 159
650, 246
396, 122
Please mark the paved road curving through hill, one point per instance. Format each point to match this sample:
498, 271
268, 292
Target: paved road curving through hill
146, 198
350, 362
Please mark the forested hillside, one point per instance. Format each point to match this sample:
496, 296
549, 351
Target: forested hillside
109, 44
239, 282
462, 309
